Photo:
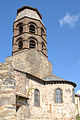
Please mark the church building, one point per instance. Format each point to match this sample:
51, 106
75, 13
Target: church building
28, 89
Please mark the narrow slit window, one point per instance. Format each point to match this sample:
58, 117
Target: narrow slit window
58, 96
73, 95
36, 97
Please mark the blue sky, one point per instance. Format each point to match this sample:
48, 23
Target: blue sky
62, 20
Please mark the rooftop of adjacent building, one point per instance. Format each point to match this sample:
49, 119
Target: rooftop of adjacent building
77, 95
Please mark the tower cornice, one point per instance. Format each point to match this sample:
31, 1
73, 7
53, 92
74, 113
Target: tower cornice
28, 7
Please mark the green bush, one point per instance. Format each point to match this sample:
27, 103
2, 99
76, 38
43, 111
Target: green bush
78, 118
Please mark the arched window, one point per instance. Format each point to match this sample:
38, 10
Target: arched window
20, 44
32, 44
58, 96
42, 31
20, 29
36, 97
32, 28
43, 46
20, 25
19, 41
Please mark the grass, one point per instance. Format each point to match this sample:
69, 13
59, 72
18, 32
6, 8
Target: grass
78, 118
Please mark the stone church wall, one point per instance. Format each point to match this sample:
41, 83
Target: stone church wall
7, 93
32, 62
23, 72
48, 109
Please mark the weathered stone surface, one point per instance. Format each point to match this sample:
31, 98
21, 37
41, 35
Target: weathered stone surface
7, 93
6, 99
23, 72
31, 62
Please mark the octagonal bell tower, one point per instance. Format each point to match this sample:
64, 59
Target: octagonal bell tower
29, 31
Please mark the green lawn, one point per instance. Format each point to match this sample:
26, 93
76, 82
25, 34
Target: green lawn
78, 118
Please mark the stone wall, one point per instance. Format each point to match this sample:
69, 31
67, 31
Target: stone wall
7, 93
35, 64
77, 104
32, 62
48, 109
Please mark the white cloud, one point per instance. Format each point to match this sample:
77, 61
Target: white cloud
70, 20
78, 92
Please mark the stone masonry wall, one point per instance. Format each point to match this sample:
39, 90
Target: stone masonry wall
32, 62
7, 93
48, 109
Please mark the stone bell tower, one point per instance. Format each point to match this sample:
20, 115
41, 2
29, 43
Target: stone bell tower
32, 91
29, 31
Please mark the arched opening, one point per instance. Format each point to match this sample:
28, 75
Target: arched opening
43, 46
20, 29
20, 26
32, 44
20, 44
36, 97
32, 28
42, 32
58, 96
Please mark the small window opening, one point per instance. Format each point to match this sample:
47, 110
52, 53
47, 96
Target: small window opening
20, 29
32, 44
42, 32
20, 44
58, 96
32, 29
73, 96
43, 46
36, 97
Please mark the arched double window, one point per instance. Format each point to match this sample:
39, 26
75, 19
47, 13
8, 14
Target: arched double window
59, 96
36, 97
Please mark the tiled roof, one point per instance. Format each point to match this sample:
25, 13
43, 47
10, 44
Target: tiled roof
52, 77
